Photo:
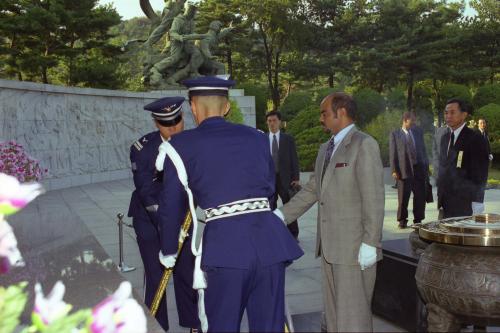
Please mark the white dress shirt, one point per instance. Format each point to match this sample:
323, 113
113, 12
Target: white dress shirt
271, 134
456, 132
339, 137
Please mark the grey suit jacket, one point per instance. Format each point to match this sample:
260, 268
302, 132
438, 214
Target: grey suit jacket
436, 149
351, 199
399, 155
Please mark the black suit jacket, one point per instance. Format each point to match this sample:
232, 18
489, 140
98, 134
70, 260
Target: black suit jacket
288, 160
486, 139
461, 183
399, 156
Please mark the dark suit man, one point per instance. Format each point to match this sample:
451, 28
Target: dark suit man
167, 115
481, 130
286, 163
463, 165
410, 167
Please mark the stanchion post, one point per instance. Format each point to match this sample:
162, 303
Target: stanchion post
122, 266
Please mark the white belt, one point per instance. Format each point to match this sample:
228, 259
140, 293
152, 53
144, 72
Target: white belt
245, 206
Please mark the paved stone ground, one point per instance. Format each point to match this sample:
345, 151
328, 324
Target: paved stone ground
98, 204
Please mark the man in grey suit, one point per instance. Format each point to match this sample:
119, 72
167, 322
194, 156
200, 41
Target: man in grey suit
348, 185
286, 163
410, 167
439, 133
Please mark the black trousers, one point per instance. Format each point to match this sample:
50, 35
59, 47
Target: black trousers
415, 184
284, 194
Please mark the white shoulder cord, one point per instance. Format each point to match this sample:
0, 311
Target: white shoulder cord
199, 281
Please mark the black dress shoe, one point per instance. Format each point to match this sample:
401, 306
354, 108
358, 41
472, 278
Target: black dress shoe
403, 224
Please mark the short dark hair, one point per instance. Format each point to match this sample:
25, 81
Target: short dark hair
342, 100
408, 115
273, 113
462, 105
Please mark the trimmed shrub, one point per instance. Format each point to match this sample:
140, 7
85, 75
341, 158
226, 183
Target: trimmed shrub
305, 119
235, 115
294, 103
308, 134
308, 143
261, 96
452, 90
370, 104
381, 127
489, 93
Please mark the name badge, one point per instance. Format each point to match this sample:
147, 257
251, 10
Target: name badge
459, 158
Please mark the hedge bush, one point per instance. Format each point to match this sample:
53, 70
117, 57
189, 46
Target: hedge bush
308, 143
370, 104
235, 115
381, 127
486, 94
294, 103
305, 119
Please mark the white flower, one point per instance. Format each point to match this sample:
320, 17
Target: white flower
9, 253
52, 306
119, 313
14, 195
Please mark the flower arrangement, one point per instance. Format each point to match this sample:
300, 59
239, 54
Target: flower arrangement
118, 313
16, 162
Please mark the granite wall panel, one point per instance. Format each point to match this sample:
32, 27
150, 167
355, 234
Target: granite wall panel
83, 135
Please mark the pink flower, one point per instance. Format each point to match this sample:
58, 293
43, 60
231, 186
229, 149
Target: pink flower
119, 313
51, 307
9, 253
14, 196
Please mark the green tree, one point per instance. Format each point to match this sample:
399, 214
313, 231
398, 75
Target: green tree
43, 35
276, 28
408, 43
452, 90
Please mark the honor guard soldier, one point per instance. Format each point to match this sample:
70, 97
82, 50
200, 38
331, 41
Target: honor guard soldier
228, 171
167, 115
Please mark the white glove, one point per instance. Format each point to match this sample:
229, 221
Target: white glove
279, 214
167, 261
477, 208
490, 157
367, 256
152, 208
182, 235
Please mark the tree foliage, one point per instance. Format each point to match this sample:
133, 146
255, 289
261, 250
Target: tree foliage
55, 40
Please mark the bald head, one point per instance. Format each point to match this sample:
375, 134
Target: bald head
204, 107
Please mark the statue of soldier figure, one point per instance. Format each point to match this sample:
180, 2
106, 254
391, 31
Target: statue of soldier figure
182, 57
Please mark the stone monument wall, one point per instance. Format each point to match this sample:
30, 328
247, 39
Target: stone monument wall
83, 135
